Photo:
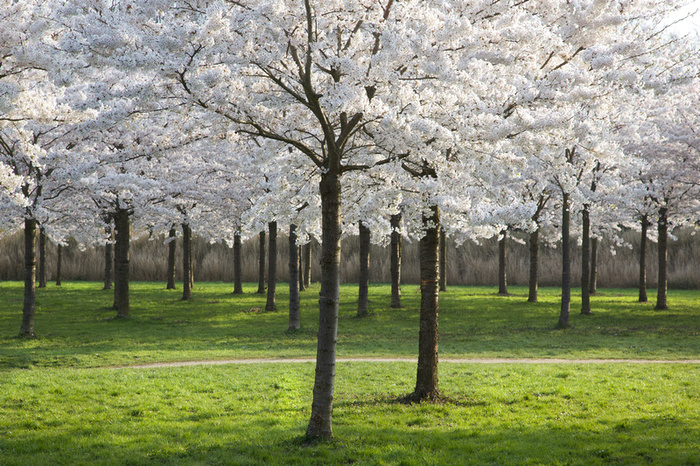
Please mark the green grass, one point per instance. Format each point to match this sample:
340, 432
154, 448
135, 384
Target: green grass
62, 403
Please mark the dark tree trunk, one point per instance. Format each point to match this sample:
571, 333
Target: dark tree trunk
27, 328
187, 272
261, 264
300, 268
534, 265
643, 261
294, 315
59, 264
121, 282
395, 262
109, 260
271, 304
363, 300
427, 373
320, 424
115, 255
307, 264
443, 260
237, 265
565, 264
42, 258
172, 249
585, 264
662, 287
502, 278
593, 282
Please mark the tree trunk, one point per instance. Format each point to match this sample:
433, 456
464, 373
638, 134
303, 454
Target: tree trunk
261, 264
443, 260
271, 305
121, 282
172, 249
59, 264
320, 423
187, 272
237, 266
294, 315
534, 264
27, 328
502, 279
427, 373
42, 258
307, 264
661, 303
643, 261
109, 260
395, 262
593, 282
363, 301
115, 255
565, 264
585, 264
300, 268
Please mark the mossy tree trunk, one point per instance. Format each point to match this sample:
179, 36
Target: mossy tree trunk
271, 304
643, 260
172, 250
395, 261
237, 265
261, 263
443, 260
363, 298
662, 286
27, 328
294, 314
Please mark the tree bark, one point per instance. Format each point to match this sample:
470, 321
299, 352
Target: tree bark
300, 264
59, 264
237, 265
261, 264
307, 264
320, 424
662, 287
27, 328
121, 282
395, 262
565, 264
42, 258
172, 249
534, 265
585, 264
271, 304
643, 260
443, 260
502, 278
109, 260
363, 299
427, 372
187, 272
294, 314
593, 281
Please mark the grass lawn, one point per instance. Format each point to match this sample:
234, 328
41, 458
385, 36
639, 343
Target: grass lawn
62, 402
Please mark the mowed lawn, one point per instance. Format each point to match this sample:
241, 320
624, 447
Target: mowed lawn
63, 401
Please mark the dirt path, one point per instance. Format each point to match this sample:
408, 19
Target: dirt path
218, 362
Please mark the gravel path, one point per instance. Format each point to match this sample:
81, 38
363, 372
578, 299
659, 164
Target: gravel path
218, 362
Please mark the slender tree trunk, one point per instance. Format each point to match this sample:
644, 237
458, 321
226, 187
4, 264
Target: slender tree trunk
42, 258
427, 373
27, 328
363, 301
502, 279
585, 264
237, 265
172, 249
565, 264
395, 262
300, 265
593, 282
187, 272
443, 260
534, 264
121, 282
271, 304
294, 315
307, 264
115, 255
643, 261
261, 264
59, 264
320, 423
109, 260
661, 302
